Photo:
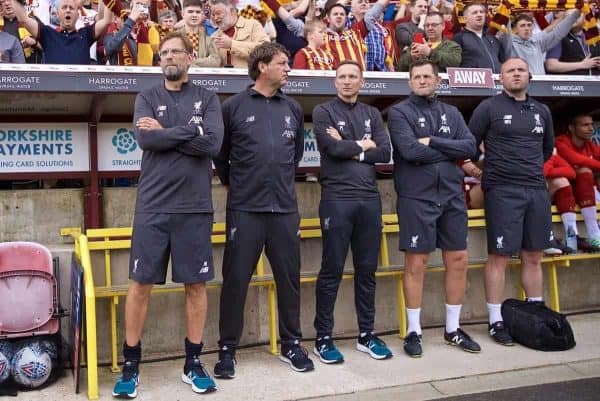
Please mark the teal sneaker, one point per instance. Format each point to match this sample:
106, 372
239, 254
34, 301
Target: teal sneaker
127, 383
595, 243
327, 351
374, 346
198, 377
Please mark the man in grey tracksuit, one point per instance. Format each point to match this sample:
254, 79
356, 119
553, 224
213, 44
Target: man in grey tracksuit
429, 137
351, 139
262, 146
533, 48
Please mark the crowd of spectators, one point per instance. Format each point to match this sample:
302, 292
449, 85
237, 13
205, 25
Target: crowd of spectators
381, 35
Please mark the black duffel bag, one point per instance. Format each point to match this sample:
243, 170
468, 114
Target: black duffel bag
536, 326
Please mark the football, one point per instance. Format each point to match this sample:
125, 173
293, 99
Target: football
31, 365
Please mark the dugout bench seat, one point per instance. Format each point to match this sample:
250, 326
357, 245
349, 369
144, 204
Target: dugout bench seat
107, 239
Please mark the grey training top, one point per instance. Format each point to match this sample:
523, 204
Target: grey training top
343, 177
176, 170
428, 172
518, 137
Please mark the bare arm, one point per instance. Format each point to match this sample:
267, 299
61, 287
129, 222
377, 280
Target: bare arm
102, 24
31, 24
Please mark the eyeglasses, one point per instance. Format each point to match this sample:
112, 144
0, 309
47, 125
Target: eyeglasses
432, 25
174, 52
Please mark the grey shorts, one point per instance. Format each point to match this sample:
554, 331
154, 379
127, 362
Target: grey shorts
425, 225
185, 237
517, 218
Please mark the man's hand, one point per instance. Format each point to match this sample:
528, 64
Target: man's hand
148, 123
222, 41
424, 141
419, 50
367, 144
28, 41
590, 62
332, 132
136, 12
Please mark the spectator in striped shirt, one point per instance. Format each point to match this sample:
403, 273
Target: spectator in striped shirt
314, 56
343, 43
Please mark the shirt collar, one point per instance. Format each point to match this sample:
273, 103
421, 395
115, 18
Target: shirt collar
255, 93
423, 101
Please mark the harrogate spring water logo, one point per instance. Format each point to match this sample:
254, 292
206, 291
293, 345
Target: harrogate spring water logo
124, 141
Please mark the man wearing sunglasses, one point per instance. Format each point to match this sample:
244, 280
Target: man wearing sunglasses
179, 127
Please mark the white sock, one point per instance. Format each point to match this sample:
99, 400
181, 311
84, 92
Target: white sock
414, 320
535, 299
569, 220
495, 313
590, 217
452, 317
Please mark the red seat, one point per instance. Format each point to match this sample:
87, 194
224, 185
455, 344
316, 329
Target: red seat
29, 304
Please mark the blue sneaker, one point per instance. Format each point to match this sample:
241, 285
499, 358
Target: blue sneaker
127, 383
327, 351
372, 345
198, 377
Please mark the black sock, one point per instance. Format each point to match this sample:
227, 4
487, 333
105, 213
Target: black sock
132, 353
192, 351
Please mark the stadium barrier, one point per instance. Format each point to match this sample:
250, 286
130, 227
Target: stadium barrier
108, 239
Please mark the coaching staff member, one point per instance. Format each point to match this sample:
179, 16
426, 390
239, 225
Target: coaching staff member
428, 138
351, 139
179, 127
263, 144
518, 136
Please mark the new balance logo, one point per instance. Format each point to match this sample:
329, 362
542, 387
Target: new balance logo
204, 268
500, 242
135, 264
413, 241
250, 119
232, 233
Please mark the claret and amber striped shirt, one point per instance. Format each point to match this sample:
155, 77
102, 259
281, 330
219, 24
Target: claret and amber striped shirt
345, 45
308, 58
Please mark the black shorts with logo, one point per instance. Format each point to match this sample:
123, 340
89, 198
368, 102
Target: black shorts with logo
186, 237
425, 225
517, 218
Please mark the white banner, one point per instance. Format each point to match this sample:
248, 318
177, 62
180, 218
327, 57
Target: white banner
311, 157
44, 147
118, 149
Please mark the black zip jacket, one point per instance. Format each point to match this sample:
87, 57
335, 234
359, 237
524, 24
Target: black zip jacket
176, 171
262, 146
518, 138
343, 177
484, 52
428, 172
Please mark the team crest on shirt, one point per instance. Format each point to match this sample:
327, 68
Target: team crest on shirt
341, 126
421, 122
196, 113
288, 130
444, 128
368, 131
160, 110
539, 128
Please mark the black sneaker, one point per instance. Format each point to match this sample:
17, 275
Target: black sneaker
225, 366
297, 357
500, 333
585, 245
559, 244
412, 345
462, 340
